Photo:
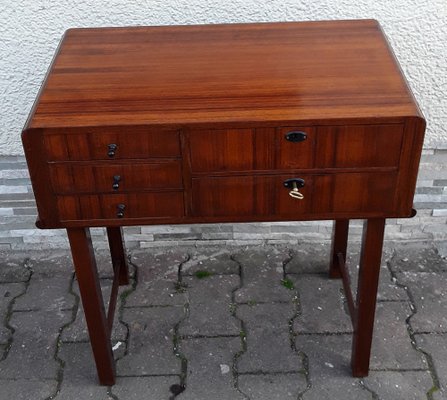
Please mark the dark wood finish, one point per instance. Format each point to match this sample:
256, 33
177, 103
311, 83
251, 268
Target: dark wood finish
87, 275
118, 254
303, 71
339, 246
368, 280
87, 178
194, 122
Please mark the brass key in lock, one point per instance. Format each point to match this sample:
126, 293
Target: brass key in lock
295, 184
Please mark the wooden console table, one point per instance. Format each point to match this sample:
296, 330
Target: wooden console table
224, 123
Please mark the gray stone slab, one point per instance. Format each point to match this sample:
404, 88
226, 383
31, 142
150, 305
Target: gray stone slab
436, 346
391, 347
322, 307
80, 378
77, 330
417, 257
8, 292
13, 267
262, 272
399, 385
46, 293
157, 275
270, 387
31, 355
151, 341
268, 341
329, 359
309, 258
209, 373
429, 293
27, 389
144, 387
210, 301
216, 260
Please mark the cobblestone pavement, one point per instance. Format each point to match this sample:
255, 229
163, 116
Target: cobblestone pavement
259, 322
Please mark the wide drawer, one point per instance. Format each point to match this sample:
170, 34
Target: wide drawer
111, 143
295, 147
266, 195
120, 206
114, 177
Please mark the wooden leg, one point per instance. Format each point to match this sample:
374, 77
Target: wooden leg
118, 253
339, 245
89, 287
370, 258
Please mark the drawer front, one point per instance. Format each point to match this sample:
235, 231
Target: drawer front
266, 195
359, 146
114, 177
109, 207
112, 143
251, 149
296, 147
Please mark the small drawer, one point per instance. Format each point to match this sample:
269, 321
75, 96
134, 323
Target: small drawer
114, 177
121, 206
112, 144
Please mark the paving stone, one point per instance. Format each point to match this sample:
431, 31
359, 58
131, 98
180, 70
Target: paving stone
13, 268
399, 385
77, 330
26, 389
270, 387
80, 378
216, 260
209, 374
429, 293
309, 258
417, 257
46, 293
151, 341
436, 346
391, 347
322, 307
267, 339
157, 274
209, 313
32, 352
388, 289
8, 292
262, 272
145, 387
329, 360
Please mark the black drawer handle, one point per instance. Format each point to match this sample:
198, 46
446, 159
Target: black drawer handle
112, 147
116, 182
120, 210
295, 184
296, 136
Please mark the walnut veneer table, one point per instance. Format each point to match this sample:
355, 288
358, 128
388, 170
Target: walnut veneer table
224, 123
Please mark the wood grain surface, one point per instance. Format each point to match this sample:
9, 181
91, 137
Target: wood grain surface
318, 71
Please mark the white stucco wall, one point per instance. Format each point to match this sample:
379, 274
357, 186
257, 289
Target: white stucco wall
30, 31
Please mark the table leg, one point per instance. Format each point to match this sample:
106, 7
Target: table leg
90, 289
118, 253
339, 245
368, 280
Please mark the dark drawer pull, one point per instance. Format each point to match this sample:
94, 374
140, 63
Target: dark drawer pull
116, 182
120, 210
112, 147
296, 136
295, 184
